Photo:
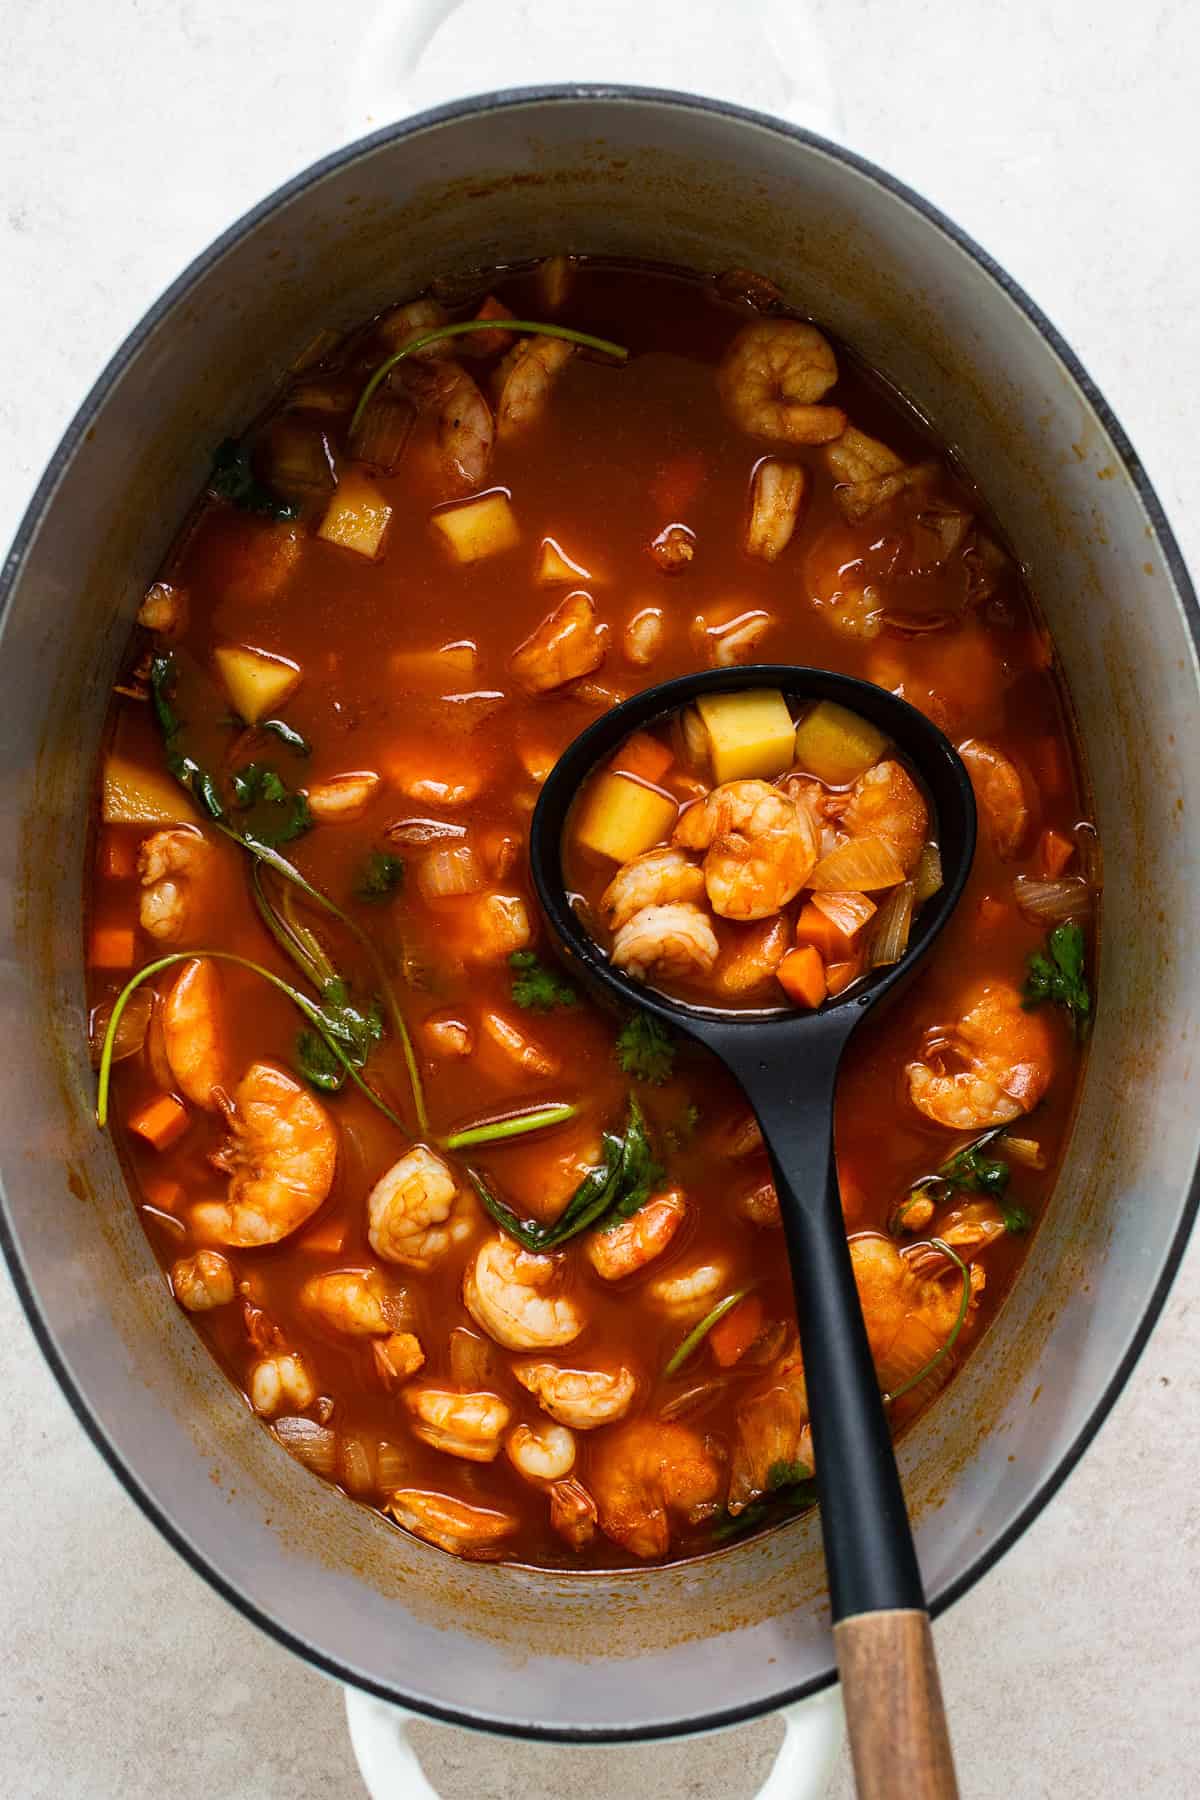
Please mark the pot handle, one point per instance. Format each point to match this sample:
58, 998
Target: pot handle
391, 1770
769, 54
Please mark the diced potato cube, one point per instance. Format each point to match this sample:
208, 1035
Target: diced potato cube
836, 745
132, 795
621, 818
751, 733
474, 529
255, 681
357, 516
554, 565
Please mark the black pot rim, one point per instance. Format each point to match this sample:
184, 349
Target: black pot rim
568, 93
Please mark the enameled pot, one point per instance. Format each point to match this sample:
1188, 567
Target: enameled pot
640, 174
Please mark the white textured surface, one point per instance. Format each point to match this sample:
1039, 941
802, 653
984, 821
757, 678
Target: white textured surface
1064, 138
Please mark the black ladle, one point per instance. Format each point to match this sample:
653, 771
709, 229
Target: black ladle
787, 1063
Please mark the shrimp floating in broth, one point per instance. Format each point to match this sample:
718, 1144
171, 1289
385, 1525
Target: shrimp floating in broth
504, 1268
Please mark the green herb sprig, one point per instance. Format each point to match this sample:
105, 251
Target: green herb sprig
535, 988
689, 1345
232, 478
1059, 974
526, 327
645, 1049
380, 876
618, 1186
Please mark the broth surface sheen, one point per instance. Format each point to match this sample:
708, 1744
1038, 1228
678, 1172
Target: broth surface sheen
414, 664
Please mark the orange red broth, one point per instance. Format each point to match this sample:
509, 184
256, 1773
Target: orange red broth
620, 454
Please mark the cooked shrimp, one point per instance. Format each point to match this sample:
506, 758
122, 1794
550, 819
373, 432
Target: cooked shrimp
567, 644
656, 878
474, 1532
397, 1356
439, 774
908, 1319
572, 1512
515, 1046
167, 861
580, 1398
678, 940
466, 431
164, 609
343, 798
775, 496
445, 1034
862, 497
193, 1034
886, 803
759, 1205
772, 377
1007, 1054
283, 1379
416, 1211
524, 380
761, 847
1000, 793
772, 1433
625, 1248
673, 549
841, 585
503, 1292
281, 1154
643, 636
731, 641
202, 1281
466, 1425
404, 324
690, 1290
541, 1453
647, 1474
499, 925
358, 1302
856, 457
969, 1229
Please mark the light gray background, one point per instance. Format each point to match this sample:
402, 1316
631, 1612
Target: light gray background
1063, 136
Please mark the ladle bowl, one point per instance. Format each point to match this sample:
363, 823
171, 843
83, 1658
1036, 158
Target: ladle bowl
787, 1062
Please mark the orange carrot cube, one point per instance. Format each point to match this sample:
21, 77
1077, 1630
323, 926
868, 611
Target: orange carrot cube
839, 975
491, 343
801, 974
161, 1121
112, 947
1054, 853
816, 928
643, 756
732, 1336
118, 857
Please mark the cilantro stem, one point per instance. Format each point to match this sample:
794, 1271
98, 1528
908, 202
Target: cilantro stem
311, 1011
939, 1355
696, 1336
495, 1131
531, 326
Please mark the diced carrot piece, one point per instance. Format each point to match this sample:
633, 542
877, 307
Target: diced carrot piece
328, 1238
490, 343
677, 483
732, 1336
112, 947
839, 975
160, 1121
801, 974
118, 857
168, 1196
1054, 852
643, 756
816, 928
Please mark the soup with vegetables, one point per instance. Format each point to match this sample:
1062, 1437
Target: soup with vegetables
736, 812
501, 1265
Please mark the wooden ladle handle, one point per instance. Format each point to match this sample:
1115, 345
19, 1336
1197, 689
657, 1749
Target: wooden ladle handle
893, 1700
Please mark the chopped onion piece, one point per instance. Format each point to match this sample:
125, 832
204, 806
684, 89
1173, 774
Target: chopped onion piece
389, 1466
131, 1027
860, 864
701, 1398
450, 871
382, 433
849, 912
892, 927
1026, 1151
1052, 902
419, 834
298, 458
354, 1466
696, 741
927, 876
312, 1444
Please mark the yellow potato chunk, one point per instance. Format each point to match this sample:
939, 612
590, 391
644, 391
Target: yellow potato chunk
255, 681
132, 795
751, 733
474, 529
836, 745
554, 565
620, 818
357, 516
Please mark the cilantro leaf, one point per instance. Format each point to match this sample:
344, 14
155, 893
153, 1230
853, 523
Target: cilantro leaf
287, 734
317, 1063
645, 1049
1058, 974
232, 478
379, 876
276, 814
1016, 1219
535, 987
969, 1168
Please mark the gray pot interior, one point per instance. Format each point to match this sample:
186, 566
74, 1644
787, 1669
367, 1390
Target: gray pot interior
641, 176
